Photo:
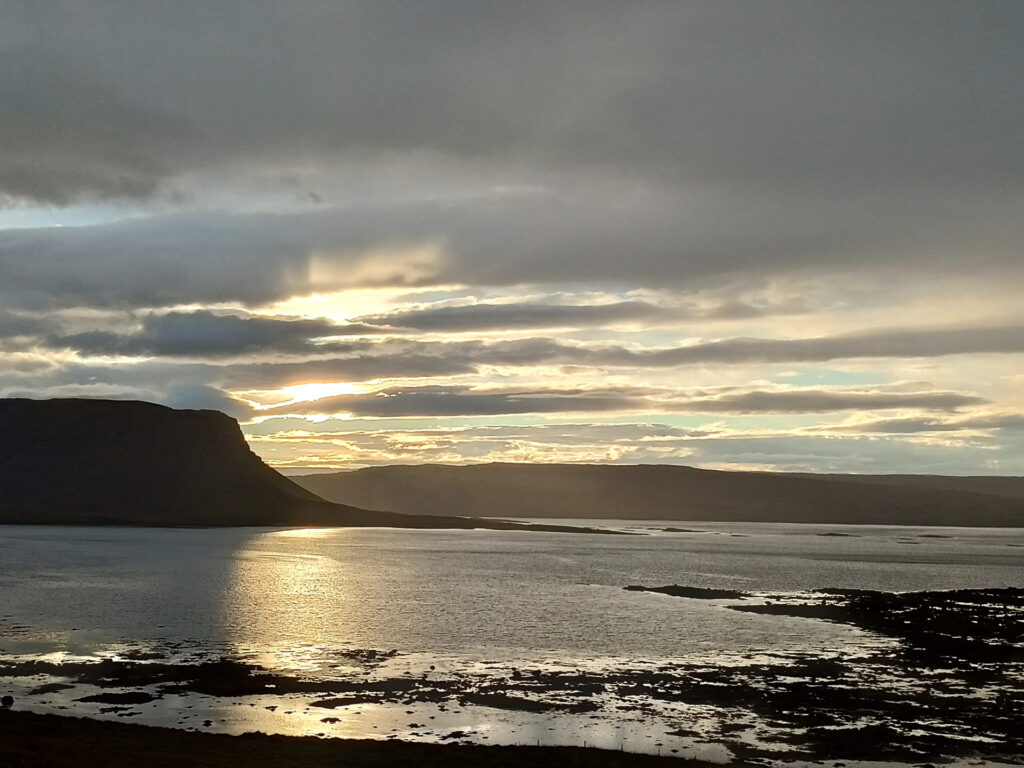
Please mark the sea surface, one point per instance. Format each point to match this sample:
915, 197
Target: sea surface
468, 605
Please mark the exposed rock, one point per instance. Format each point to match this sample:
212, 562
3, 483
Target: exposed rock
697, 593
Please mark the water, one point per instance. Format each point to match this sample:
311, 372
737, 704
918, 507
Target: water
468, 602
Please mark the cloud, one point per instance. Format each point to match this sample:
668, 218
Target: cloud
466, 401
881, 343
823, 401
670, 164
202, 397
67, 132
235, 349
16, 324
870, 94
483, 316
462, 401
205, 334
513, 315
406, 358
666, 238
866, 455
995, 421
577, 442
330, 445
651, 145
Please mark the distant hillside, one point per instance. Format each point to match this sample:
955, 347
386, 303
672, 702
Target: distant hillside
989, 485
73, 461
671, 493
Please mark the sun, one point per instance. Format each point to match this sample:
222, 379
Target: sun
301, 393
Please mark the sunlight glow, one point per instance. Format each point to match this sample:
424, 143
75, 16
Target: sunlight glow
340, 306
262, 400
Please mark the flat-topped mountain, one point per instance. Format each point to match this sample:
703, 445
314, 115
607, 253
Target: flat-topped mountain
115, 461
661, 492
78, 461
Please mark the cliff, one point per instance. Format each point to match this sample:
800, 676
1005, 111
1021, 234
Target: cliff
674, 493
102, 461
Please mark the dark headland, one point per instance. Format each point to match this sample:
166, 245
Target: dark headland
112, 462
659, 492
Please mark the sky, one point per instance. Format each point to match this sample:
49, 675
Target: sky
742, 235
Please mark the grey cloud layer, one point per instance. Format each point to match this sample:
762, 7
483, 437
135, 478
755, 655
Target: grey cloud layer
463, 401
518, 315
477, 317
203, 334
13, 324
113, 98
997, 421
668, 237
655, 143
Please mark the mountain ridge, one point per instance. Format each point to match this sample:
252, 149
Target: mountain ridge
81, 461
670, 492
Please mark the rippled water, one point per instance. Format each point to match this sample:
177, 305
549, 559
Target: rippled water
291, 600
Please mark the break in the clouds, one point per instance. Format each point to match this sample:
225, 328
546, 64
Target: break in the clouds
777, 235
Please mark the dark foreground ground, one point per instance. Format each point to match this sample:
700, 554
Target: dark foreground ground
29, 741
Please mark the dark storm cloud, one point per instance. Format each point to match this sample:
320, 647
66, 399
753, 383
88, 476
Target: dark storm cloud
113, 98
205, 334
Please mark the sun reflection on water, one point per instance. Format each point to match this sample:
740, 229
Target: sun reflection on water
279, 606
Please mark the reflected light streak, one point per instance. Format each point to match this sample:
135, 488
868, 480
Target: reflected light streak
280, 606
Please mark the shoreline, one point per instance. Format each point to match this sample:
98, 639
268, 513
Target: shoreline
31, 740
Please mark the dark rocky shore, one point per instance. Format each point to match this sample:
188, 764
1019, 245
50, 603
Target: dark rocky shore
951, 685
49, 741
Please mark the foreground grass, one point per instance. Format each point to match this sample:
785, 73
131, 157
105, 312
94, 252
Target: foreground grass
35, 741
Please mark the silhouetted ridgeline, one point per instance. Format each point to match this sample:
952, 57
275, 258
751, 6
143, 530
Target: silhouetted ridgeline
100, 461
674, 493
132, 463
